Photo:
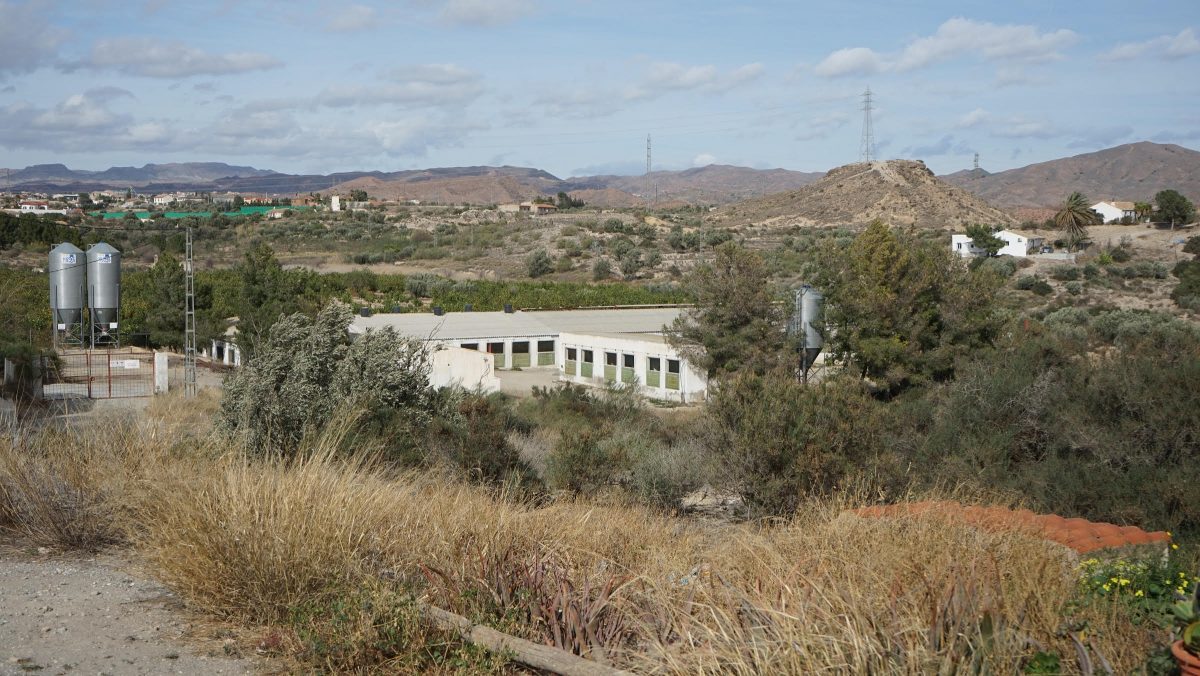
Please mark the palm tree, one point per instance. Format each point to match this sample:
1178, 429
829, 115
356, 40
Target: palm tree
1074, 217
1142, 209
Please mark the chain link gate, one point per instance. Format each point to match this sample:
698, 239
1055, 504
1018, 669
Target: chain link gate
99, 374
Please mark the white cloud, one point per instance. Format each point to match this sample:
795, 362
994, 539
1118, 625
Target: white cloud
414, 85
1169, 47
485, 12
703, 160
668, 76
955, 38
351, 18
1020, 127
852, 61
973, 119
27, 40
149, 57
822, 126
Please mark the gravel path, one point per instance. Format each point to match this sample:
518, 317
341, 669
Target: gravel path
87, 615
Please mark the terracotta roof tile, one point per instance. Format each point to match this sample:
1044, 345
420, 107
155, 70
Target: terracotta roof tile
1079, 534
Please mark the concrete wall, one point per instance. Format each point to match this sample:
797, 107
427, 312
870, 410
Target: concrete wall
692, 385
465, 368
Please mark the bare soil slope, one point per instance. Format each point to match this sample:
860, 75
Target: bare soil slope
901, 192
1133, 172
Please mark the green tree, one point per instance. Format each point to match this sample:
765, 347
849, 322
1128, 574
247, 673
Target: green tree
165, 311
984, 237
1174, 208
903, 309
737, 322
1073, 217
565, 201
266, 294
238, 202
539, 263
358, 196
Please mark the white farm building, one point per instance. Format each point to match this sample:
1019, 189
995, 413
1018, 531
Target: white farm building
590, 347
1014, 245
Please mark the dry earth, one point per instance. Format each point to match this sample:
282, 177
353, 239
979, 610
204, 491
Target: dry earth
98, 615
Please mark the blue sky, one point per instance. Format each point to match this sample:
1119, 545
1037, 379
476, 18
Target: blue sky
574, 86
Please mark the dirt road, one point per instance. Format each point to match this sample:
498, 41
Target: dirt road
88, 615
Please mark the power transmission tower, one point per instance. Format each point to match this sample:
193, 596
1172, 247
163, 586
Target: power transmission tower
866, 151
647, 153
189, 321
976, 161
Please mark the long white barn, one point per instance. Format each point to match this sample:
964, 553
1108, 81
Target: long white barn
592, 347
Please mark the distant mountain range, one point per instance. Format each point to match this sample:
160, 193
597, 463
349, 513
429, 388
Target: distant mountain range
1129, 172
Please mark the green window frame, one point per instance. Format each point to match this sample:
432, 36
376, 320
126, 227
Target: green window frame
653, 371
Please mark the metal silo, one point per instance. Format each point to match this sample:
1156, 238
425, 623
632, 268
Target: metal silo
806, 325
104, 292
66, 268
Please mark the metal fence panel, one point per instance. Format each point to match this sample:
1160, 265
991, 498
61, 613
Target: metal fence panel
99, 374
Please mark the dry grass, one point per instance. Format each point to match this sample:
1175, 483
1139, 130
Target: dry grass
299, 543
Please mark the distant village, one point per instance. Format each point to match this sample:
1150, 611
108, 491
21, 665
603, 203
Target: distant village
173, 205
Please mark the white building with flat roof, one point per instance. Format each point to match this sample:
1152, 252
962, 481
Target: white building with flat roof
1014, 245
590, 347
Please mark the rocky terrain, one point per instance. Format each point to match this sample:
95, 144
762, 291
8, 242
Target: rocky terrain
1132, 172
901, 192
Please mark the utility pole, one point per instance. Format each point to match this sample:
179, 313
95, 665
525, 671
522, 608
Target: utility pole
189, 321
866, 150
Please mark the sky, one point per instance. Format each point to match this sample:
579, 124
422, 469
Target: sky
574, 86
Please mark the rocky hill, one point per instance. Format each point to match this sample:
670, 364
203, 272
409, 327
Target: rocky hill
1132, 172
713, 184
901, 192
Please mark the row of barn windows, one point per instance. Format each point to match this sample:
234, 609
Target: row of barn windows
610, 359
580, 362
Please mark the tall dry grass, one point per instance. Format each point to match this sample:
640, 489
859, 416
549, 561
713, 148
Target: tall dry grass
316, 542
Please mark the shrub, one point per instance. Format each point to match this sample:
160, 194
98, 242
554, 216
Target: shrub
779, 441
602, 270
308, 367
1025, 282
475, 439
1064, 273
539, 263
1121, 254
1074, 288
583, 462
1042, 288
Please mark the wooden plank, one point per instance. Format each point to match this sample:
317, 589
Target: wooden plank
526, 652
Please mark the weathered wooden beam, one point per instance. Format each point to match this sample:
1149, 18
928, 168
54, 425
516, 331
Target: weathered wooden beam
526, 652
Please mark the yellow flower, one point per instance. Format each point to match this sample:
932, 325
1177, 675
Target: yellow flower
1174, 546
1124, 581
1139, 593
1105, 586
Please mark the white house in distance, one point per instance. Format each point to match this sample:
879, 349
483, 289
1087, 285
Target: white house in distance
1113, 212
1014, 245
590, 347
532, 208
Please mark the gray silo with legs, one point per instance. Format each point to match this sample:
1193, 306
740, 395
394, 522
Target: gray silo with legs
104, 294
67, 293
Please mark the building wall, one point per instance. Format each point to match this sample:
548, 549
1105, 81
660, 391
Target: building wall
688, 385
1110, 213
455, 366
